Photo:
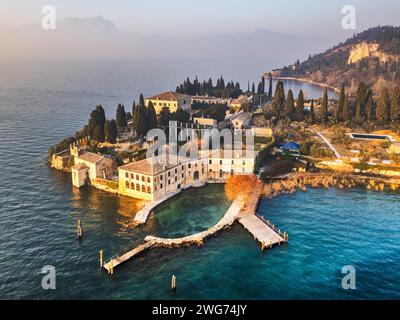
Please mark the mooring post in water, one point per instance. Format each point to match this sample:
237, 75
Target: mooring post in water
101, 258
270, 244
284, 235
79, 229
111, 268
262, 246
173, 283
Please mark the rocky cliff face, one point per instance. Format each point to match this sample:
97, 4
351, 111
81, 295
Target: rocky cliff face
372, 56
365, 50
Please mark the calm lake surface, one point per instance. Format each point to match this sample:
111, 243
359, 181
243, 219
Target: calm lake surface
42, 102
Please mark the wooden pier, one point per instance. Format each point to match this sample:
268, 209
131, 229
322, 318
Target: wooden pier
260, 230
130, 254
242, 211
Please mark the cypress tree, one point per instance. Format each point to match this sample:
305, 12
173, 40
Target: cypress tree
263, 85
270, 86
346, 109
279, 99
339, 109
395, 105
325, 106
383, 108
110, 130
369, 108
95, 127
133, 108
289, 106
312, 112
139, 119
253, 88
164, 117
151, 117
121, 116
300, 106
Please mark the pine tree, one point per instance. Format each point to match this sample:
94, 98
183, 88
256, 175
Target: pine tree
395, 105
383, 107
151, 117
121, 116
300, 106
346, 109
279, 99
289, 106
339, 109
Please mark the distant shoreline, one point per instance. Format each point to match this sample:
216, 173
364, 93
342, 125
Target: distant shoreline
324, 85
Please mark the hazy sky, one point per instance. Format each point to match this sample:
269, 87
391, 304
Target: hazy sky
173, 17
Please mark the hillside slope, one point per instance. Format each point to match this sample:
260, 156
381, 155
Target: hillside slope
372, 56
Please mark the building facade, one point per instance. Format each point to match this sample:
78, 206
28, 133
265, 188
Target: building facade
172, 100
89, 166
151, 180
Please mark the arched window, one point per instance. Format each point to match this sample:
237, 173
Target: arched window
137, 187
132, 186
127, 184
148, 190
143, 189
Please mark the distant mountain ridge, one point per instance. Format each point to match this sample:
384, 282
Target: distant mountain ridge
97, 37
372, 56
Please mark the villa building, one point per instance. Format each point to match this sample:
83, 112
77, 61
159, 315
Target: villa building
90, 166
172, 100
222, 164
150, 180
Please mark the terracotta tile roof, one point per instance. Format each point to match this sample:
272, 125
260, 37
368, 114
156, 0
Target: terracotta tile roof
151, 166
90, 157
169, 95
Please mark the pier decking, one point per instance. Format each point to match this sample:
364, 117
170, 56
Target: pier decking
260, 230
242, 211
130, 254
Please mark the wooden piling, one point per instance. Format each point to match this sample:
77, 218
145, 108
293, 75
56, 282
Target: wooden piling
262, 246
111, 268
173, 283
101, 258
79, 228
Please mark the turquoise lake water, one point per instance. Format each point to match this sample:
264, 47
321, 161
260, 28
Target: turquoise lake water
40, 103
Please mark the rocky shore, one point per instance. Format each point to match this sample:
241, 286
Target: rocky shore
303, 181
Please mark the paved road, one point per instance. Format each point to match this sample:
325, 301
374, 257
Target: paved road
329, 144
